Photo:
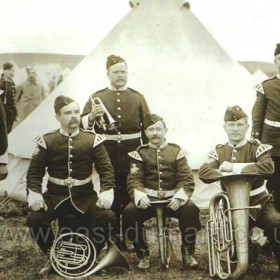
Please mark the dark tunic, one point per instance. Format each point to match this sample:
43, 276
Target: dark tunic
69, 157
254, 153
129, 108
8, 95
165, 167
267, 106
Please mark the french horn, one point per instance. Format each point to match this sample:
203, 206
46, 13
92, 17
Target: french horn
73, 255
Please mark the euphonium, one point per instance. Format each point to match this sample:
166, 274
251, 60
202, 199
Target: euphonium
163, 233
100, 121
74, 255
228, 228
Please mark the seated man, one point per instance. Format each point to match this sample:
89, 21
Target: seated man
240, 156
154, 167
69, 154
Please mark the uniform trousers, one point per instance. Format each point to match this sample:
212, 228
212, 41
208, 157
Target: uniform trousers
121, 199
273, 183
268, 219
188, 216
97, 223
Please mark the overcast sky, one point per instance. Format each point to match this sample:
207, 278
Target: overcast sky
247, 29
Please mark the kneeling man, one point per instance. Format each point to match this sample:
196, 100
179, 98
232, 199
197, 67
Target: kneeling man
156, 168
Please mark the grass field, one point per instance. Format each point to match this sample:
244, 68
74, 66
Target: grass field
21, 259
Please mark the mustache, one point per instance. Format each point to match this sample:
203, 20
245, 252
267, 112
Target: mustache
74, 121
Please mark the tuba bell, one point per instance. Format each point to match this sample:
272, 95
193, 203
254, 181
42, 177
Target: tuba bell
110, 124
73, 255
228, 228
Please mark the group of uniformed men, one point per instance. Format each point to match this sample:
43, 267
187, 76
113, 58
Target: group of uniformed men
137, 165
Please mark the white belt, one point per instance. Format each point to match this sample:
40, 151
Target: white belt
159, 194
120, 137
70, 182
272, 123
258, 191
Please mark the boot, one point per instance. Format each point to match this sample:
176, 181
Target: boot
127, 245
47, 269
187, 257
144, 259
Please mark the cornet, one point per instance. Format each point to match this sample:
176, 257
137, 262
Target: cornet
100, 121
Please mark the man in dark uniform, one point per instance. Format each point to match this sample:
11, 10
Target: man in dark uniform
3, 143
126, 106
8, 94
266, 123
240, 156
69, 154
160, 169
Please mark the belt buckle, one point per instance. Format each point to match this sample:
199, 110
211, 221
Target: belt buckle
162, 194
69, 182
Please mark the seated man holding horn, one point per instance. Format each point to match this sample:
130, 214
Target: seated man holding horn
160, 170
68, 154
240, 156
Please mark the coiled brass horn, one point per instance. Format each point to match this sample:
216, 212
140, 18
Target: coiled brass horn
74, 255
228, 228
100, 121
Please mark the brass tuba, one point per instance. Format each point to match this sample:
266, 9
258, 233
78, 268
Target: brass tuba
228, 228
100, 121
74, 255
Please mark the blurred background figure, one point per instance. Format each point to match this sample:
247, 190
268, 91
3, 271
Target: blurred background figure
8, 93
3, 143
29, 94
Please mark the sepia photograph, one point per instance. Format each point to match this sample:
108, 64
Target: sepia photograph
140, 139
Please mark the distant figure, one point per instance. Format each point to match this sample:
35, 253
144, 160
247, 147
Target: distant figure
29, 94
3, 143
52, 83
8, 93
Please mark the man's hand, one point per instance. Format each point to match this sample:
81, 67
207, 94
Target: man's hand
38, 205
96, 111
103, 203
226, 166
174, 204
3, 172
144, 203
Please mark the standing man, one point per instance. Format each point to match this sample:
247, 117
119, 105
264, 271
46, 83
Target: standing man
266, 123
126, 106
3, 143
8, 94
68, 154
29, 94
159, 170
240, 156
